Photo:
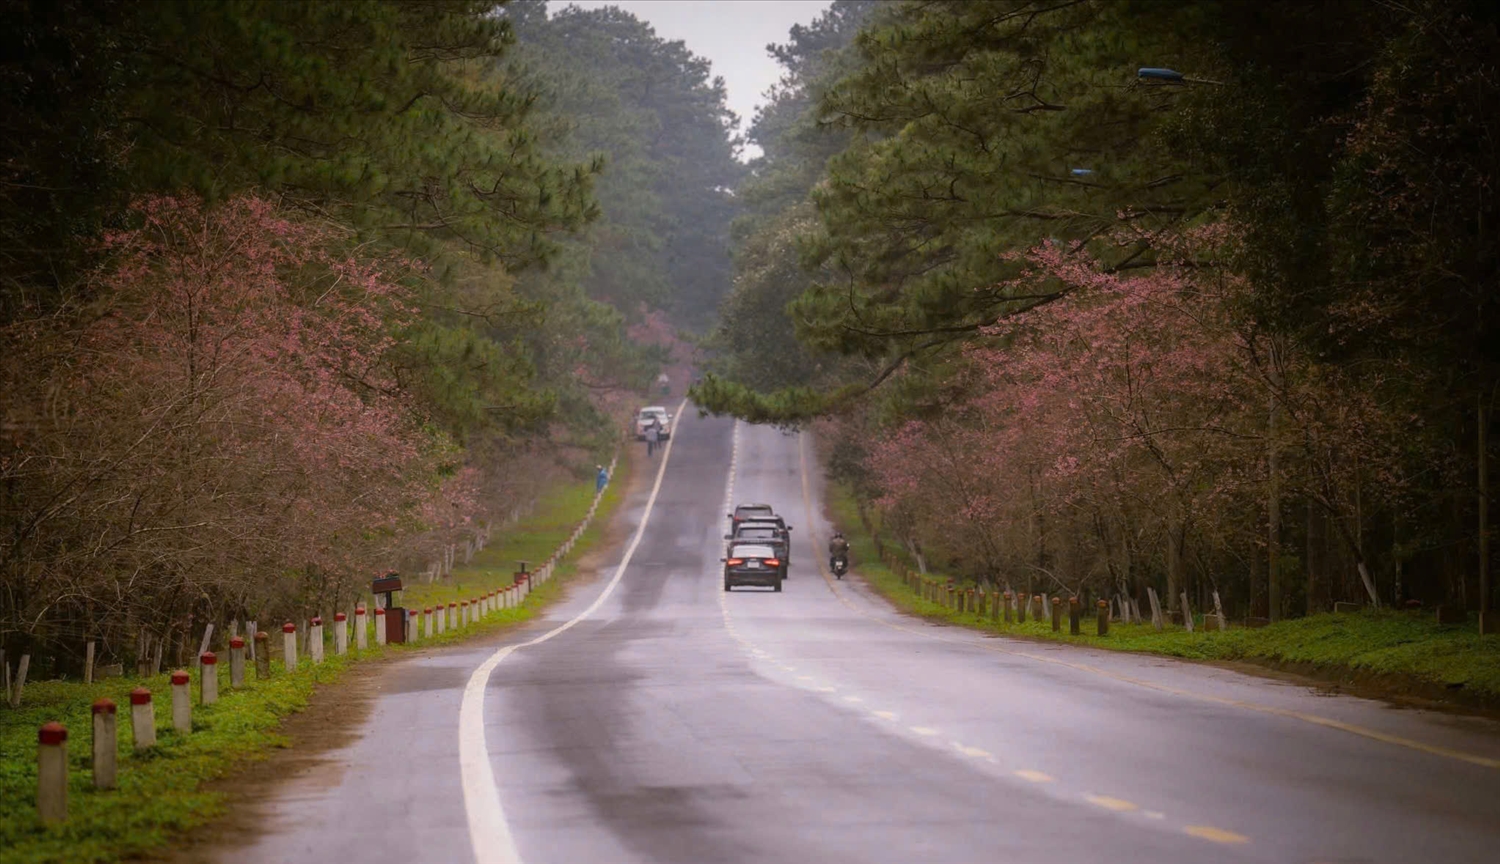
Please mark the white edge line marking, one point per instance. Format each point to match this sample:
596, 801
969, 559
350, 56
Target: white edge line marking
489, 834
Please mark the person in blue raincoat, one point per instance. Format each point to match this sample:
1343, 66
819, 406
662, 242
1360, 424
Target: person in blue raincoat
601, 480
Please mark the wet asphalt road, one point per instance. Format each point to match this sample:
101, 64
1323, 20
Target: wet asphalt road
679, 724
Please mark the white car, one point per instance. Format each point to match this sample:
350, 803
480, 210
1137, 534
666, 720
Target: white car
644, 417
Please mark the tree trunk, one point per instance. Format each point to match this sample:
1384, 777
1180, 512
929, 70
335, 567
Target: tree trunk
1273, 512
1176, 529
1317, 556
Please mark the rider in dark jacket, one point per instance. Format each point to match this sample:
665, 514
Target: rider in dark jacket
838, 548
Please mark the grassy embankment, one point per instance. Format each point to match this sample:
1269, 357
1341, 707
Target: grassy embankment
161, 790
1394, 651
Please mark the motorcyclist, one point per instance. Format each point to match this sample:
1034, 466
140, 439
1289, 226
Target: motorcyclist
838, 548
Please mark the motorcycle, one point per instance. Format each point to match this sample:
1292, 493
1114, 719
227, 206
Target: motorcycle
840, 565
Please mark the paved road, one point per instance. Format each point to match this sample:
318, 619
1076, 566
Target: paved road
677, 724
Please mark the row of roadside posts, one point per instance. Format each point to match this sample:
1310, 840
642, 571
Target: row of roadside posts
389, 624
1010, 606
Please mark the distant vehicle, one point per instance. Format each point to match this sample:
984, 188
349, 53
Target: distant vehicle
644, 417
751, 564
746, 510
775, 523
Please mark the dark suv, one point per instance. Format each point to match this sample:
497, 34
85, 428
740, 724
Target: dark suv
775, 523
746, 511
751, 564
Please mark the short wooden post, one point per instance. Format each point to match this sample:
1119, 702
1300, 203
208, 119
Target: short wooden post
208, 678
1022, 601
379, 625
15, 690
142, 718
1005, 601
88, 663
262, 643
182, 705
1075, 612
1158, 620
340, 634
106, 744
1187, 613
289, 646
1056, 612
236, 663
52, 773
1103, 617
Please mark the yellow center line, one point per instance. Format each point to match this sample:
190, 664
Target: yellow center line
1291, 714
1033, 776
1217, 835
1118, 805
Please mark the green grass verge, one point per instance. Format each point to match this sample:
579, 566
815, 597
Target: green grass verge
1401, 646
161, 791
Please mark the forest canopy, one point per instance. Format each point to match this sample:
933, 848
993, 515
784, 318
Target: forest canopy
1107, 295
296, 292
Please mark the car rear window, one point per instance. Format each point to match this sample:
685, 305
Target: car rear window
752, 551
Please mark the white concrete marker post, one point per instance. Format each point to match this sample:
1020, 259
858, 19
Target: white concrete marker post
142, 718
379, 625
340, 633
106, 744
429, 622
289, 646
315, 639
52, 773
182, 704
236, 663
208, 678
416, 624
452, 617
361, 638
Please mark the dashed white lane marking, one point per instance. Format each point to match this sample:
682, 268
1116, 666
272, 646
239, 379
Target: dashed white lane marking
855, 699
925, 731
974, 752
1033, 776
489, 833
885, 715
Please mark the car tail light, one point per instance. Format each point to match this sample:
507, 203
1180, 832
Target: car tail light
773, 562
735, 562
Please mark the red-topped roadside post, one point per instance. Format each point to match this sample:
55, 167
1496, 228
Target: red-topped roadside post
208, 678
289, 646
361, 638
236, 663
142, 718
182, 704
340, 634
52, 773
106, 744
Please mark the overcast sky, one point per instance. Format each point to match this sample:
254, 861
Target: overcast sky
732, 34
